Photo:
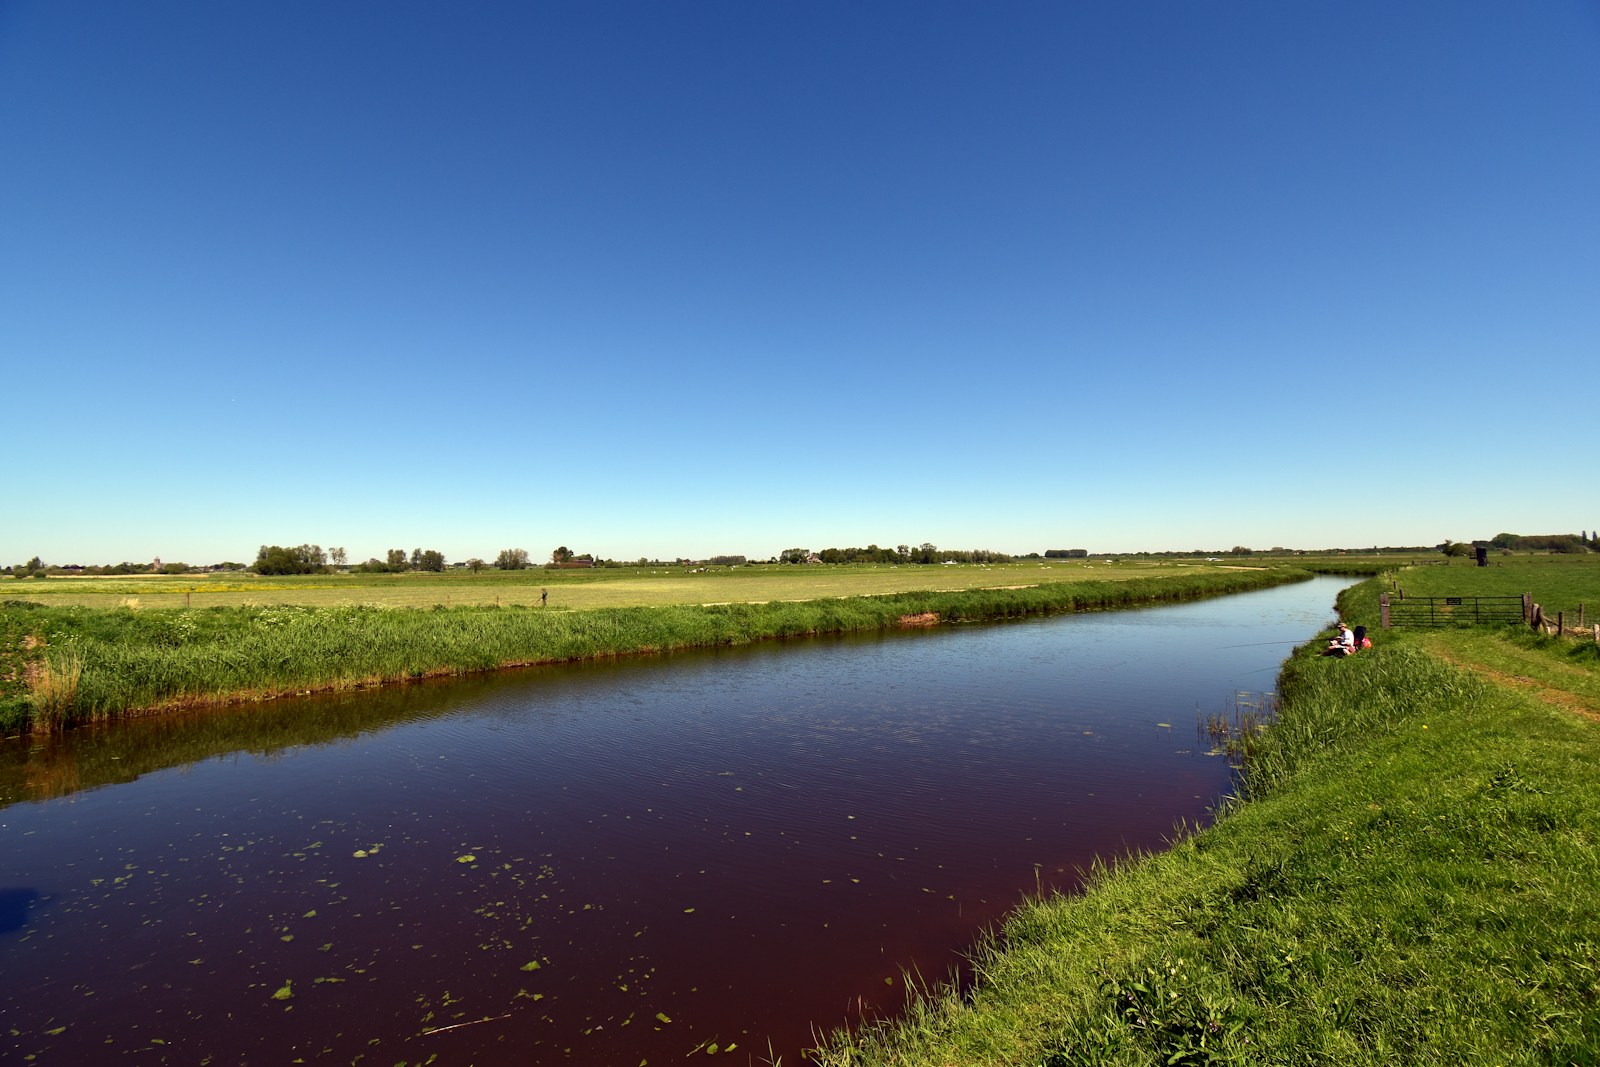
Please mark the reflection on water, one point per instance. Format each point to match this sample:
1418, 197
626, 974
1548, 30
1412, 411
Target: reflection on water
604, 864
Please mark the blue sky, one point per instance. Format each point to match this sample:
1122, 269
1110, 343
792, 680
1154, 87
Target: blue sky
692, 278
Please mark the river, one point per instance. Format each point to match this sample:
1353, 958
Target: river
612, 863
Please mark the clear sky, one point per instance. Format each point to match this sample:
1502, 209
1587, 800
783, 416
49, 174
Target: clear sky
675, 279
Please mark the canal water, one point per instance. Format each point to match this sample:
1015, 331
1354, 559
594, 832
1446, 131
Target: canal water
615, 863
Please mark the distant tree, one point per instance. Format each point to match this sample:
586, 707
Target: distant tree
427, 560
1455, 548
795, 555
512, 559
1239, 550
174, 568
338, 557
396, 559
303, 559
561, 555
474, 564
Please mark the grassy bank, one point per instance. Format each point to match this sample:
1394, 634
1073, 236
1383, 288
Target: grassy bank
1411, 881
89, 664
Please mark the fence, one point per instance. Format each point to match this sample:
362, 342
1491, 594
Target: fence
1401, 610
1405, 610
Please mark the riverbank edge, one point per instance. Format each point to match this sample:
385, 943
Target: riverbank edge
67, 666
1405, 882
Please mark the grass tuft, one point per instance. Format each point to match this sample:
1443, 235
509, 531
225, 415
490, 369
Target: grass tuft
55, 689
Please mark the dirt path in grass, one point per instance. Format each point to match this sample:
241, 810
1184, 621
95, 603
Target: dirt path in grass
1546, 689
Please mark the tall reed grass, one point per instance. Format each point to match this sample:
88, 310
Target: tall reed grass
55, 689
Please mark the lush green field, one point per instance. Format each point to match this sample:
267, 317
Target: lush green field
93, 663
577, 589
614, 587
1410, 881
1561, 583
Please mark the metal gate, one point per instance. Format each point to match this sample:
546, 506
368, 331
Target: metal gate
1453, 610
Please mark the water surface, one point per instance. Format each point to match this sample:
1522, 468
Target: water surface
611, 863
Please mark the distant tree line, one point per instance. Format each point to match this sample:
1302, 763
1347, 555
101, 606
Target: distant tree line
927, 552
302, 559
396, 561
313, 559
37, 568
1583, 541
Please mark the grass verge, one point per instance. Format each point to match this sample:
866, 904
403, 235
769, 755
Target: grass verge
1409, 881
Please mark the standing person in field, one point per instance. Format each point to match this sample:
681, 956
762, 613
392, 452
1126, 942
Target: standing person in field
544, 598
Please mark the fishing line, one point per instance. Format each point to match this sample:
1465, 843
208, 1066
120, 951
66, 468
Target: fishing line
1258, 644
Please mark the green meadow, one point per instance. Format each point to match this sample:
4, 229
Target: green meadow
1408, 877
608, 587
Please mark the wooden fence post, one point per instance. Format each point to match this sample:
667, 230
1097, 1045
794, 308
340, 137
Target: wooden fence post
1383, 610
1561, 623
1527, 607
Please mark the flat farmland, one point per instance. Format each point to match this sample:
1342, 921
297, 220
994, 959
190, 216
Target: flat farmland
573, 589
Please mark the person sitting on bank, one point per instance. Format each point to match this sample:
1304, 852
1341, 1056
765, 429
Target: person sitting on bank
1344, 644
